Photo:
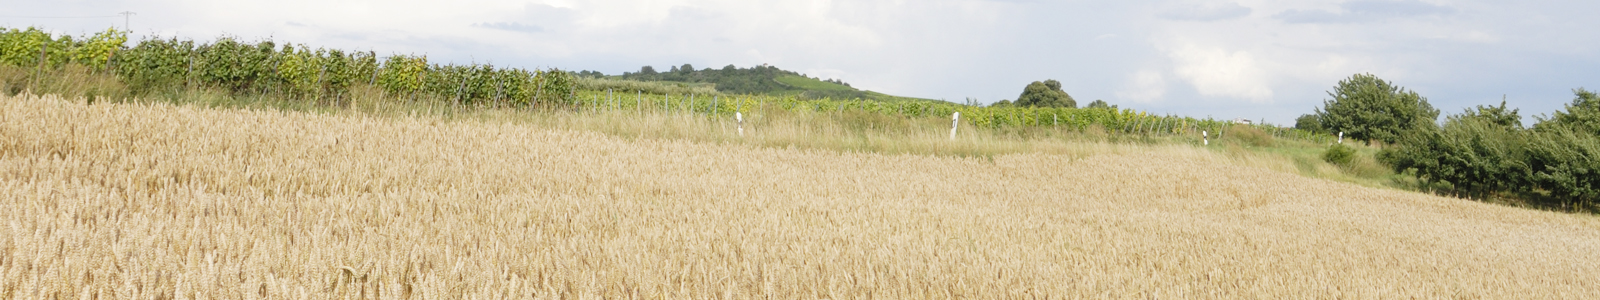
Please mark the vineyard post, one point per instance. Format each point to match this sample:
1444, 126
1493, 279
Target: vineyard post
536, 92
638, 101
459, 87
1206, 137
713, 108
1055, 120
38, 74
275, 64
375, 67
423, 72
322, 69
186, 72
499, 86
608, 99
1341, 137
109, 56
955, 121
740, 119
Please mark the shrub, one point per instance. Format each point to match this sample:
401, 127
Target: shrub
1339, 154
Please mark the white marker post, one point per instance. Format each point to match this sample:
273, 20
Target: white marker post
1206, 136
1341, 137
740, 118
955, 121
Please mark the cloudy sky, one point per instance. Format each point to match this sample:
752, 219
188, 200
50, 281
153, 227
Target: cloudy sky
1256, 59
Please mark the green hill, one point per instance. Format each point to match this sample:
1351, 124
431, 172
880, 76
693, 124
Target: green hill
758, 80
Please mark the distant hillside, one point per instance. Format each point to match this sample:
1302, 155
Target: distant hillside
762, 80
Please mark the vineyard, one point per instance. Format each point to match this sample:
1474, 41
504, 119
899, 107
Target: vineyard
297, 72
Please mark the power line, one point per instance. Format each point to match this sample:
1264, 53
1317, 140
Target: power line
31, 17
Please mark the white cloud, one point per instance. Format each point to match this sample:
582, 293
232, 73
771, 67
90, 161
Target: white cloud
1144, 87
1219, 73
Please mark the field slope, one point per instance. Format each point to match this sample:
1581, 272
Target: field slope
152, 201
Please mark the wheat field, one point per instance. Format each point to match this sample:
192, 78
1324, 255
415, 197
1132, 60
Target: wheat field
154, 201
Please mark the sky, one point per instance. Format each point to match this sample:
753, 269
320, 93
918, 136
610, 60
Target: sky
1259, 60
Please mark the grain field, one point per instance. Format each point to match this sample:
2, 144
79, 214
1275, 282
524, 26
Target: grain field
130, 201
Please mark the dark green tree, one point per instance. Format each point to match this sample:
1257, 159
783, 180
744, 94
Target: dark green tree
1309, 122
1582, 115
1368, 108
1564, 153
1478, 153
647, 70
1101, 104
1045, 94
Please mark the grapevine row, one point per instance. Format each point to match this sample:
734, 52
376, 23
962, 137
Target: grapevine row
326, 76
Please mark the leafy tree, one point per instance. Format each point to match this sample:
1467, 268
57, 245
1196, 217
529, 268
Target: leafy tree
1564, 152
1309, 122
1368, 108
686, 68
1101, 104
1476, 154
1582, 115
647, 70
1046, 94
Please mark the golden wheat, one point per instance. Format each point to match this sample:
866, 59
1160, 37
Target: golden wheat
164, 202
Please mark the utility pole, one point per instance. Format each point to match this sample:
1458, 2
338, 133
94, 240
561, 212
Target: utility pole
125, 16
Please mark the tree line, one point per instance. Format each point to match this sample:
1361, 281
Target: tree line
731, 79
1482, 152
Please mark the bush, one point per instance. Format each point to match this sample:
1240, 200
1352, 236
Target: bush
1339, 154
